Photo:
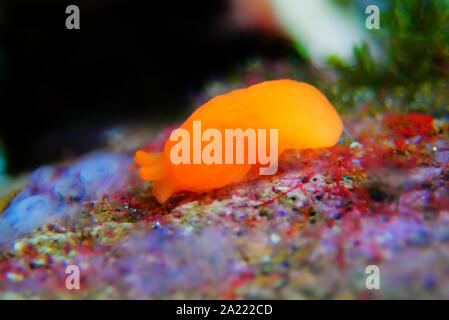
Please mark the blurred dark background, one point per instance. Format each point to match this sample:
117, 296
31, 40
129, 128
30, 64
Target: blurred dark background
129, 61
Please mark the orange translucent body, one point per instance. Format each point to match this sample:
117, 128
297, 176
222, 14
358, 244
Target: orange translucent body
302, 115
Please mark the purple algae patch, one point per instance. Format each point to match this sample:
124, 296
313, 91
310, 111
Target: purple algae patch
160, 261
54, 192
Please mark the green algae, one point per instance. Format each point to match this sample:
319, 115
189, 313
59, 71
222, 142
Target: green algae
414, 38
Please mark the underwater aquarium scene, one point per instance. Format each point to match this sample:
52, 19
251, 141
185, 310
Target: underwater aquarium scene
230, 153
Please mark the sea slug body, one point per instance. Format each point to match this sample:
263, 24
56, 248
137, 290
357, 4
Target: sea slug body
300, 113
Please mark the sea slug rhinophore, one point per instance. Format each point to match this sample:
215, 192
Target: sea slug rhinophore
300, 113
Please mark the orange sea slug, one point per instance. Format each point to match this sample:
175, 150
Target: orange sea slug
302, 115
